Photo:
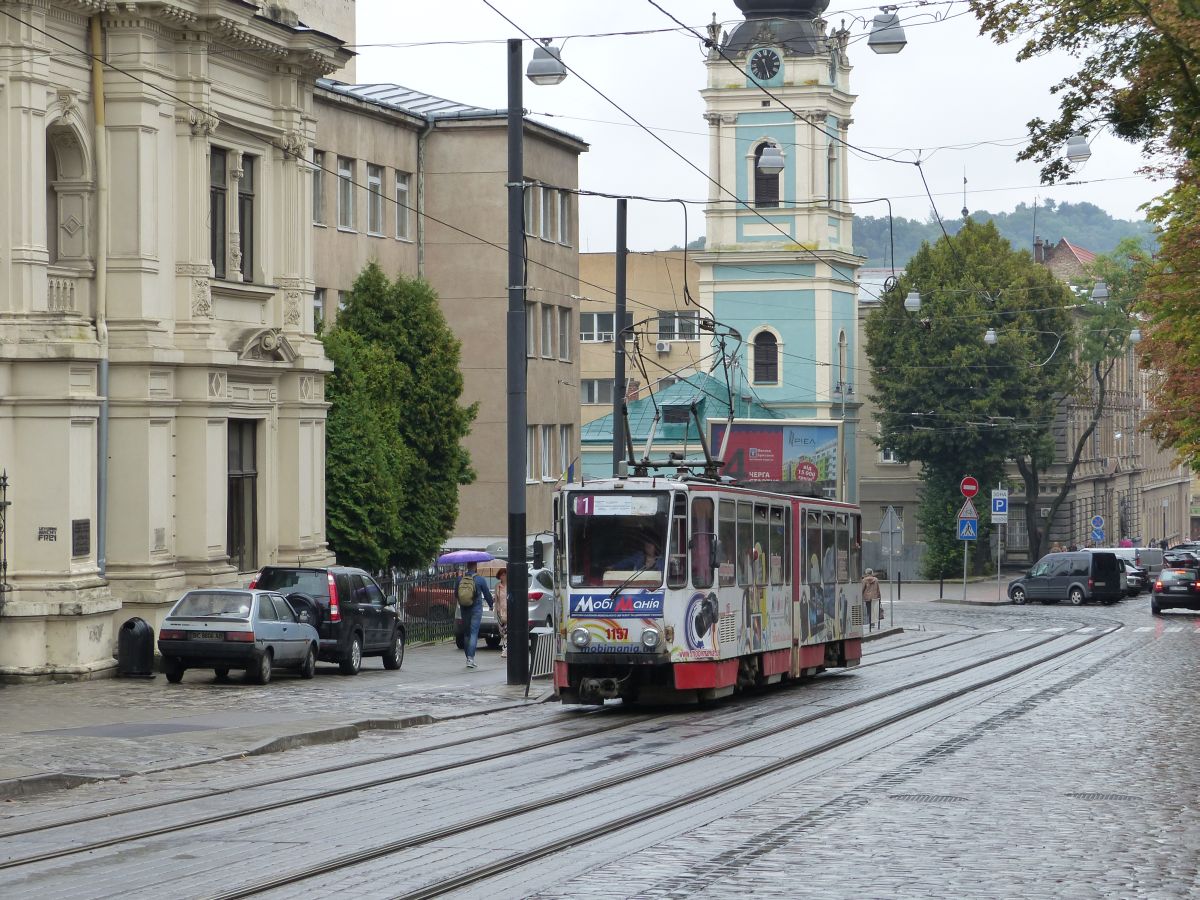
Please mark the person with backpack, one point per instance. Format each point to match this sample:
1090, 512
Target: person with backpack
470, 591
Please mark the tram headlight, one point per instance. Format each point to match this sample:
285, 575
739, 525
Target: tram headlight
580, 637
650, 638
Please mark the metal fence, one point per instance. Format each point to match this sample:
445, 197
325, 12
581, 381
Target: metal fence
426, 603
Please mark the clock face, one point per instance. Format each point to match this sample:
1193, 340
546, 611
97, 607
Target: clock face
764, 64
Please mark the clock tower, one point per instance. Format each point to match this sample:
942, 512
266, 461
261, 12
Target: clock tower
779, 263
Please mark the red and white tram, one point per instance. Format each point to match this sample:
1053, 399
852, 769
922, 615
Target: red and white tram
686, 588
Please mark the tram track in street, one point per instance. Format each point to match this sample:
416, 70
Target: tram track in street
437, 834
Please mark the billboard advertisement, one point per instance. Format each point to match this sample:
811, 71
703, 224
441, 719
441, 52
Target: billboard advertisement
780, 450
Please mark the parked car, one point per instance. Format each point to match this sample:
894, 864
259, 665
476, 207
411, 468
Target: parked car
1135, 578
1076, 577
1148, 558
1181, 559
347, 607
1176, 588
541, 609
223, 629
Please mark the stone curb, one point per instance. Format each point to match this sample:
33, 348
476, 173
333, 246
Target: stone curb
882, 633
29, 785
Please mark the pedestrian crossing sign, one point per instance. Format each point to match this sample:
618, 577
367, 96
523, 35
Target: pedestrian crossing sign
968, 529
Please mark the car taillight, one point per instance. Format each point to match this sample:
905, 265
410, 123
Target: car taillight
335, 611
240, 636
535, 596
171, 634
1091, 583
254, 581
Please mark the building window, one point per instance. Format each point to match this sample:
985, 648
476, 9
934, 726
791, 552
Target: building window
596, 391
843, 358
547, 220
318, 309
564, 334
766, 186
564, 218
345, 196
831, 167
531, 453
375, 200
566, 442
218, 192
679, 326
766, 358
530, 210
318, 187
888, 455
596, 327
242, 509
343, 299
548, 453
530, 329
403, 228
246, 217
547, 331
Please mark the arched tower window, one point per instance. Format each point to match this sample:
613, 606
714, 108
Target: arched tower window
842, 365
766, 358
766, 187
831, 173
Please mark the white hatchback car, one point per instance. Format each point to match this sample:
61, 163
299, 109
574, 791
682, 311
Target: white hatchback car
541, 609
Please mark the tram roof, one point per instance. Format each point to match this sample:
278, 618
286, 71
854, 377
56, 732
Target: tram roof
674, 482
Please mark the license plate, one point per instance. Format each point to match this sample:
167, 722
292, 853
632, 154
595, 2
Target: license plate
1179, 587
208, 635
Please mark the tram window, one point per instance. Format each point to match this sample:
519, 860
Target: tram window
762, 542
677, 559
727, 544
855, 549
787, 545
812, 549
745, 543
778, 540
703, 528
843, 548
828, 550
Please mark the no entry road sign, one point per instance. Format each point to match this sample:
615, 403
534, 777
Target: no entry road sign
969, 486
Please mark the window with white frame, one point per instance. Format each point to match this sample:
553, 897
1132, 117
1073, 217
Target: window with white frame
547, 331
548, 453
679, 325
530, 329
345, 194
566, 442
766, 358
530, 211
564, 333
318, 183
318, 308
403, 219
548, 210
531, 457
564, 218
374, 199
596, 391
596, 327
888, 455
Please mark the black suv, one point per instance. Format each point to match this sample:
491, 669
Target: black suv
349, 610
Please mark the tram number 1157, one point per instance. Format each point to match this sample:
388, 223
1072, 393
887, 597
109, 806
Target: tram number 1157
617, 634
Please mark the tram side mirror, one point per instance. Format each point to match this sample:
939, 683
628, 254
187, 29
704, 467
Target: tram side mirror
539, 557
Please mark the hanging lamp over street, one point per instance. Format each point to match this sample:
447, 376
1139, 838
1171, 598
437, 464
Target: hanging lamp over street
546, 67
887, 34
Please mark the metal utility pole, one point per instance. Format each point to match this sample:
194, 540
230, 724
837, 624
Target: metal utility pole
618, 398
518, 572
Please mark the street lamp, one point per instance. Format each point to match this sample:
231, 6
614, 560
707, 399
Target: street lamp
1078, 150
991, 339
912, 303
770, 161
1100, 293
545, 68
887, 34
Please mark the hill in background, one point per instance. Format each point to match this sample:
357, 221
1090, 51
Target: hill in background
1083, 224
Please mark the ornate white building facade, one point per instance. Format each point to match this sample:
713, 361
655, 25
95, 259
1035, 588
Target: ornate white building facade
161, 390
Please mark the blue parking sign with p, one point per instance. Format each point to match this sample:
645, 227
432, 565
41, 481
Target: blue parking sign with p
1000, 505
968, 529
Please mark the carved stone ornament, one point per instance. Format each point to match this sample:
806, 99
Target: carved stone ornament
202, 123
68, 102
294, 144
267, 345
201, 299
291, 309
217, 384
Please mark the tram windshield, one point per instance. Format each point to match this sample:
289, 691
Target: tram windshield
617, 537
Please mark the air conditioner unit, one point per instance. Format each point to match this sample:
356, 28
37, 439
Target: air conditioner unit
1045, 512
663, 346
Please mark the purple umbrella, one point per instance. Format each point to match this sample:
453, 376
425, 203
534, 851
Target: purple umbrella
464, 556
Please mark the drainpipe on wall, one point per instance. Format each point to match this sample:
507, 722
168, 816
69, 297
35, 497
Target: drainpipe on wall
100, 139
421, 196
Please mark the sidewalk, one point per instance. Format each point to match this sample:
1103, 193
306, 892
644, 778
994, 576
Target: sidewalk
980, 591
60, 735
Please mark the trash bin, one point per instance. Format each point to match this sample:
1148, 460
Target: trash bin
135, 649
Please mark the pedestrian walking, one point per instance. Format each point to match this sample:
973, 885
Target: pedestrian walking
501, 607
870, 595
472, 591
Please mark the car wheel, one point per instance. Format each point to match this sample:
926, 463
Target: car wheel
308, 668
394, 657
306, 607
1155, 609
222, 673
260, 673
492, 642
352, 661
1076, 596
173, 669
1018, 596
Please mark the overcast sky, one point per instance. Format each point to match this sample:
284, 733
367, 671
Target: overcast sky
945, 94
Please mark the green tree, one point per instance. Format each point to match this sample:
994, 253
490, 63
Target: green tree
951, 401
419, 406
1139, 74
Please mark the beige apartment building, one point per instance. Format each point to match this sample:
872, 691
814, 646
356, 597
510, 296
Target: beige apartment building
665, 341
417, 184
162, 414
